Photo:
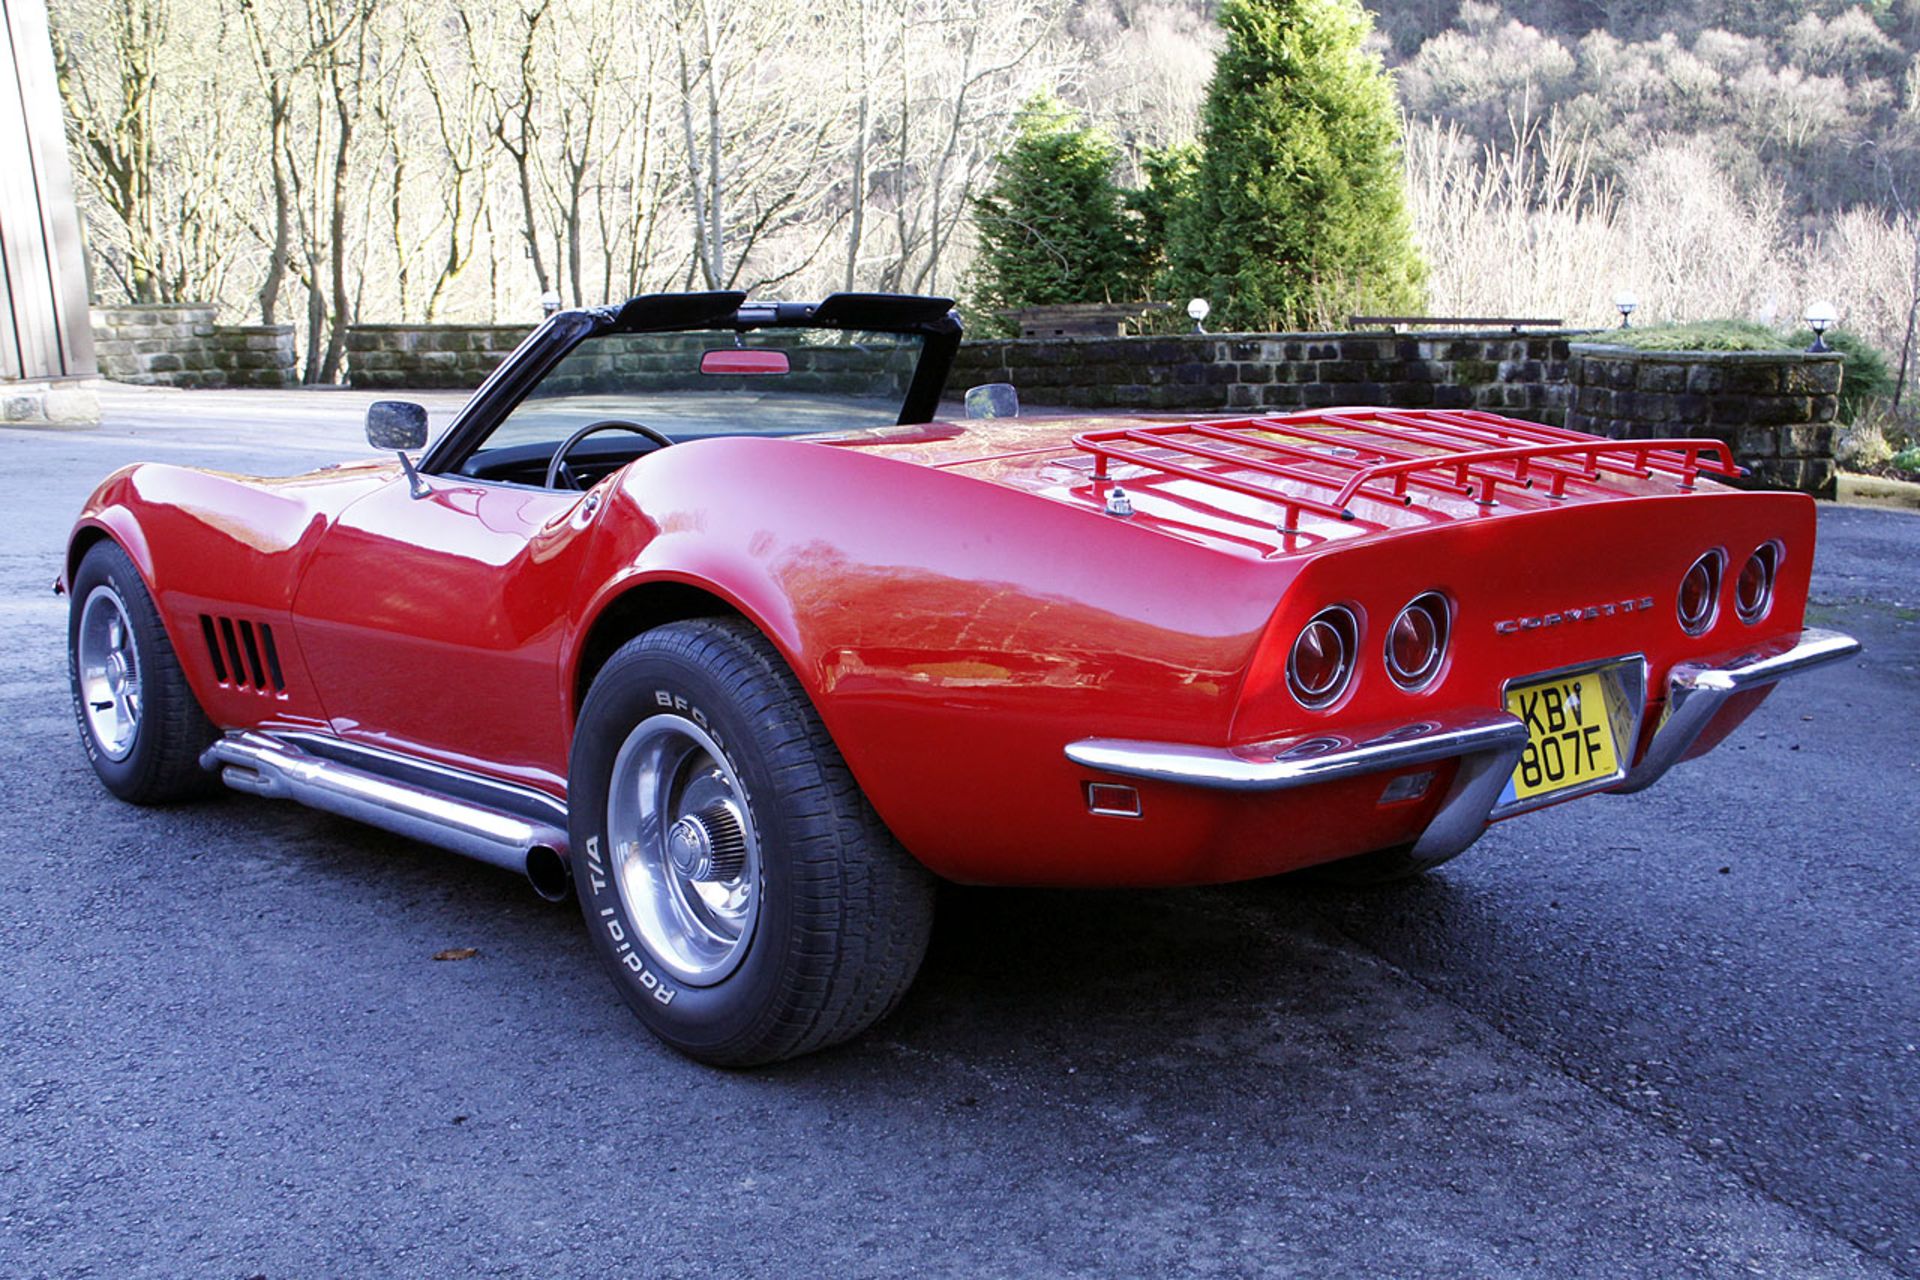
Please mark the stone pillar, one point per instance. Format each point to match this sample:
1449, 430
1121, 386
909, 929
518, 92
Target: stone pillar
163, 343
1774, 409
255, 355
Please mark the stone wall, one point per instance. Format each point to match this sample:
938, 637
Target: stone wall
179, 345
255, 355
386, 357
1521, 374
671, 362
1774, 409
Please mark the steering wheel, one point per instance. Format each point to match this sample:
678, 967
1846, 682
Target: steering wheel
557, 469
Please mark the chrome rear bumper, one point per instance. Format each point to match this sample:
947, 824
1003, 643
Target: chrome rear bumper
1696, 691
1488, 745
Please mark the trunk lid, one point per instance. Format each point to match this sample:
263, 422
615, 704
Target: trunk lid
1287, 485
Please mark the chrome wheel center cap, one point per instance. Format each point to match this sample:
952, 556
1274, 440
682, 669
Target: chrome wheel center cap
690, 848
709, 845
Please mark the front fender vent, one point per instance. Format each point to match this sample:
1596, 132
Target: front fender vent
243, 654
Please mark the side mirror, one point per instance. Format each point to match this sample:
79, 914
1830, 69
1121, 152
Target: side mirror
396, 424
993, 400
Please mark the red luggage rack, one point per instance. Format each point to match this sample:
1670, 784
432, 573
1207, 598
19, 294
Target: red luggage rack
1361, 454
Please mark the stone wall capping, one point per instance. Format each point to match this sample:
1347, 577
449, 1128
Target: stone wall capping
66, 402
1608, 350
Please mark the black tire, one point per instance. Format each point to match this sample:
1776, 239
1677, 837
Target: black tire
844, 912
1372, 870
161, 764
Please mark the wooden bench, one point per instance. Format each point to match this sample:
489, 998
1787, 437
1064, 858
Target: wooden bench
1455, 322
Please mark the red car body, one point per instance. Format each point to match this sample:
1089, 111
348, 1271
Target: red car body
1051, 652
959, 610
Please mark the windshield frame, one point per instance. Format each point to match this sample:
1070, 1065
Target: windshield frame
933, 319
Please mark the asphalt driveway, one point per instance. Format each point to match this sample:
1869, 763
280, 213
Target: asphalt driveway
1676, 1034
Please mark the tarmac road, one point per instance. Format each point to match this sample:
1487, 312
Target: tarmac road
1672, 1034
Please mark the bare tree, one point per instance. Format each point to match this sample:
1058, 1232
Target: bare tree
633, 203
690, 140
344, 29
757, 144
514, 125
110, 118
867, 34
963, 67
1913, 313
157, 149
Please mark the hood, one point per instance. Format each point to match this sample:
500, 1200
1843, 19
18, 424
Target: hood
1291, 484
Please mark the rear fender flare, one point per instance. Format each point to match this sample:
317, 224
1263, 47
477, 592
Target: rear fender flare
647, 597
644, 598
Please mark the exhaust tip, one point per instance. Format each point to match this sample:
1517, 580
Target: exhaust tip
548, 874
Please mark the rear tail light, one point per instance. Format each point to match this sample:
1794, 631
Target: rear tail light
1321, 663
1753, 589
1417, 641
1700, 593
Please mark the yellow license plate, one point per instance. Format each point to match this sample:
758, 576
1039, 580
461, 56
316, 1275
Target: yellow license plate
1569, 734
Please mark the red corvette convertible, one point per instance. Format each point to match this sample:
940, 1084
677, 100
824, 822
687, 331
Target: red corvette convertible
697, 612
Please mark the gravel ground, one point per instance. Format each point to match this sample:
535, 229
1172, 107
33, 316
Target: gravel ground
1672, 1034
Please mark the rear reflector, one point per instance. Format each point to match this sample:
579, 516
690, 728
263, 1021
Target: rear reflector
1408, 786
1111, 800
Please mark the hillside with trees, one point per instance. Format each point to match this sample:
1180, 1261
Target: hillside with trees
331, 161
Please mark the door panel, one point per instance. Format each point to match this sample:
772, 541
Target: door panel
433, 625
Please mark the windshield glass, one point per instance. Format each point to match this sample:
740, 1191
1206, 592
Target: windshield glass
702, 383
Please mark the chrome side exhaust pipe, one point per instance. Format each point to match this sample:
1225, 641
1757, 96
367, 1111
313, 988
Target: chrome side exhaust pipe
264, 766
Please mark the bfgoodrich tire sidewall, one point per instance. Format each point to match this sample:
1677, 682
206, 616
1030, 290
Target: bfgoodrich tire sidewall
695, 1018
113, 569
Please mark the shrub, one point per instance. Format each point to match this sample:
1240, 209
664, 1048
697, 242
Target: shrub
1701, 335
1861, 445
1864, 376
1169, 174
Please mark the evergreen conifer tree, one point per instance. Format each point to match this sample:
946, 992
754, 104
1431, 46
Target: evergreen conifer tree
1297, 210
1054, 228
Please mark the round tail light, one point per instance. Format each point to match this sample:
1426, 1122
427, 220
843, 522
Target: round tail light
1321, 663
1417, 642
1700, 594
1753, 589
